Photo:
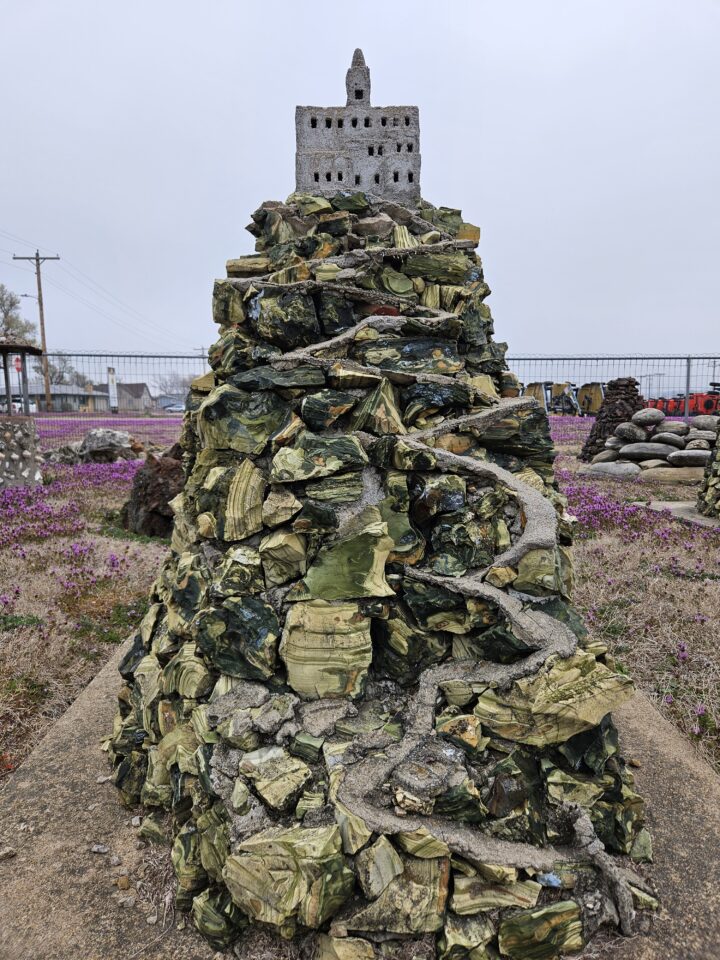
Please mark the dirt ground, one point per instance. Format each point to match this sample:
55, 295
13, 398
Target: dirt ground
73, 585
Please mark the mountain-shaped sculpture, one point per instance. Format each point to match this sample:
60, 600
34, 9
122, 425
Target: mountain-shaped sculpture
361, 706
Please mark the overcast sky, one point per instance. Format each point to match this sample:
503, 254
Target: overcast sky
582, 136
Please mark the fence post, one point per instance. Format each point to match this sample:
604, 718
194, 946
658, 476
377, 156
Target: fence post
687, 387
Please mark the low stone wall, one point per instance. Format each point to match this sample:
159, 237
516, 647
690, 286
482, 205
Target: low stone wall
19, 457
709, 496
649, 446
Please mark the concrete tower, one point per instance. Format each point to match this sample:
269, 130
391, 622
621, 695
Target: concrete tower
358, 147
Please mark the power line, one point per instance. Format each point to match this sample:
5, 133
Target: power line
38, 260
103, 293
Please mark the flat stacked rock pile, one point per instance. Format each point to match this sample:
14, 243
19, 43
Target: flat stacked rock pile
100, 445
661, 449
709, 496
360, 707
622, 400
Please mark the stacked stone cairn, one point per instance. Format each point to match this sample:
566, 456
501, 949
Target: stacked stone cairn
662, 449
709, 496
19, 458
622, 399
360, 706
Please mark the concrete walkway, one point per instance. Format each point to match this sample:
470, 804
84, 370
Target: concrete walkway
58, 901
686, 511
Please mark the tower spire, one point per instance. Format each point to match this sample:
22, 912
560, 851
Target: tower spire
357, 80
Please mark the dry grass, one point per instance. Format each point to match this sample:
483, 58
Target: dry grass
649, 586
67, 600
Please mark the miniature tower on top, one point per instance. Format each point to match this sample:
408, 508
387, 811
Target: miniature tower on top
358, 147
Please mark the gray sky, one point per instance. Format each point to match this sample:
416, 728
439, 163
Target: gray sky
582, 136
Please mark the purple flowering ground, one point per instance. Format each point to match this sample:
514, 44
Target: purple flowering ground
55, 430
649, 586
71, 587
74, 585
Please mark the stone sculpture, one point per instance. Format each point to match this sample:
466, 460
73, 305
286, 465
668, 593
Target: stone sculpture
622, 399
360, 705
360, 690
358, 147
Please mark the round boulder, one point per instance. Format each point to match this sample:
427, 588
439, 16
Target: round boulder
698, 445
652, 464
672, 438
650, 417
706, 421
689, 458
708, 435
605, 456
630, 432
614, 443
678, 427
648, 451
621, 471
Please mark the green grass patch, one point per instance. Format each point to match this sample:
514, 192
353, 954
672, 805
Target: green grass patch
111, 526
111, 626
24, 688
11, 621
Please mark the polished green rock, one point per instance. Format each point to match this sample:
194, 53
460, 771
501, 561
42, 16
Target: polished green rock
232, 419
314, 456
542, 933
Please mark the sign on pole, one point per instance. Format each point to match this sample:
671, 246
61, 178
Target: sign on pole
18, 364
112, 390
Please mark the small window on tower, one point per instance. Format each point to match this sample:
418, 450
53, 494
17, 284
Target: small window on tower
380, 150
377, 178
313, 122
340, 175
407, 121
341, 122
358, 94
411, 177
371, 151
399, 147
317, 177
328, 176
354, 121
384, 121
367, 121
328, 122
396, 176
409, 148
357, 179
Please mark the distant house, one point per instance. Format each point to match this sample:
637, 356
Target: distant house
66, 398
132, 397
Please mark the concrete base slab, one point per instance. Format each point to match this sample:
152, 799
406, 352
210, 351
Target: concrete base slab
684, 510
58, 900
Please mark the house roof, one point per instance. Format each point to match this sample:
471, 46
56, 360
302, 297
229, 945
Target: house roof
37, 388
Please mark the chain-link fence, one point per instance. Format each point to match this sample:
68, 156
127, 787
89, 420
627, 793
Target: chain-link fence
680, 384
143, 394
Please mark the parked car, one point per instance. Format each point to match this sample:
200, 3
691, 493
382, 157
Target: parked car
174, 408
17, 405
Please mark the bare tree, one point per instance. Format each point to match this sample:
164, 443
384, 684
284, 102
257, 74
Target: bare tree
11, 323
174, 383
63, 372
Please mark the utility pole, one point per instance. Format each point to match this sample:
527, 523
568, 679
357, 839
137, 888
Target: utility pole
37, 260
